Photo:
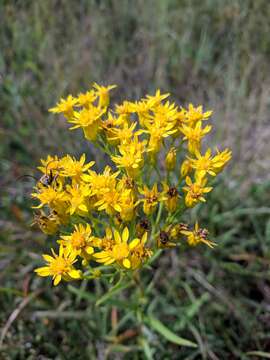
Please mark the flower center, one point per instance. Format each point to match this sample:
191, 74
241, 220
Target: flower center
120, 251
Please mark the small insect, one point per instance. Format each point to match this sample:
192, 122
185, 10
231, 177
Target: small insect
163, 237
48, 179
164, 241
142, 226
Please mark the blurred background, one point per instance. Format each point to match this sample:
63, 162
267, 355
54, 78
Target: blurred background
211, 52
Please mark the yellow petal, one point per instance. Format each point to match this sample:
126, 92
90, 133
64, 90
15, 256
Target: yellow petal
134, 243
47, 258
126, 263
75, 274
43, 271
117, 237
125, 234
57, 280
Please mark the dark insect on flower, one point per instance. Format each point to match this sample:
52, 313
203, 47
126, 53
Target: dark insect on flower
172, 192
164, 240
142, 227
163, 237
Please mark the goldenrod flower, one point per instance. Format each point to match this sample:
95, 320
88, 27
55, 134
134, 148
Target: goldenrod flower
195, 114
74, 168
110, 201
120, 251
151, 198
194, 135
79, 241
60, 266
156, 99
52, 163
131, 157
88, 203
86, 99
195, 191
123, 134
48, 224
89, 120
78, 198
139, 253
103, 92
185, 168
65, 106
197, 236
124, 110
158, 133
171, 197
51, 197
206, 164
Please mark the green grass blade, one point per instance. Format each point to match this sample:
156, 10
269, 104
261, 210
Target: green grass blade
168, 334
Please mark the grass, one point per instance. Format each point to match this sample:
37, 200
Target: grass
214, 52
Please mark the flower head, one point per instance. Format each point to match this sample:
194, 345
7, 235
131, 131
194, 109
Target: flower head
79, 241
60, 266
197, 236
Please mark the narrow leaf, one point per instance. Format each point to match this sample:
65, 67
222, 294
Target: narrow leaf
168, 334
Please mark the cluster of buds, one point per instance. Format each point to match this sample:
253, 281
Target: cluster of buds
119, 218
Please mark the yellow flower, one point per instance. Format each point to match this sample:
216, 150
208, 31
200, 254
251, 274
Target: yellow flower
170, 159
110, 201
195, 191
51, 197
128, 205
158, 133
52, 163
120, 251
86, 99
78, 198
101, 182
123, 134
48, 224
151, 198
139, 253
65, 106
74, 168
131, 157
157, 98
79, 241
194, 135
103, 92
194, 114
124, 110
142, 108
206, 164
185, 168
60, 266
197, 236
89, 119
109, 125
171, 195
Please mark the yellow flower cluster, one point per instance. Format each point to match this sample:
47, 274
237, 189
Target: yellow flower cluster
119, 218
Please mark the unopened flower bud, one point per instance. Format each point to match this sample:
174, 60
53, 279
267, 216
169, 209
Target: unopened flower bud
170, 159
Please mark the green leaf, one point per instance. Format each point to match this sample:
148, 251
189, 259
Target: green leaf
168, 334
262, 354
